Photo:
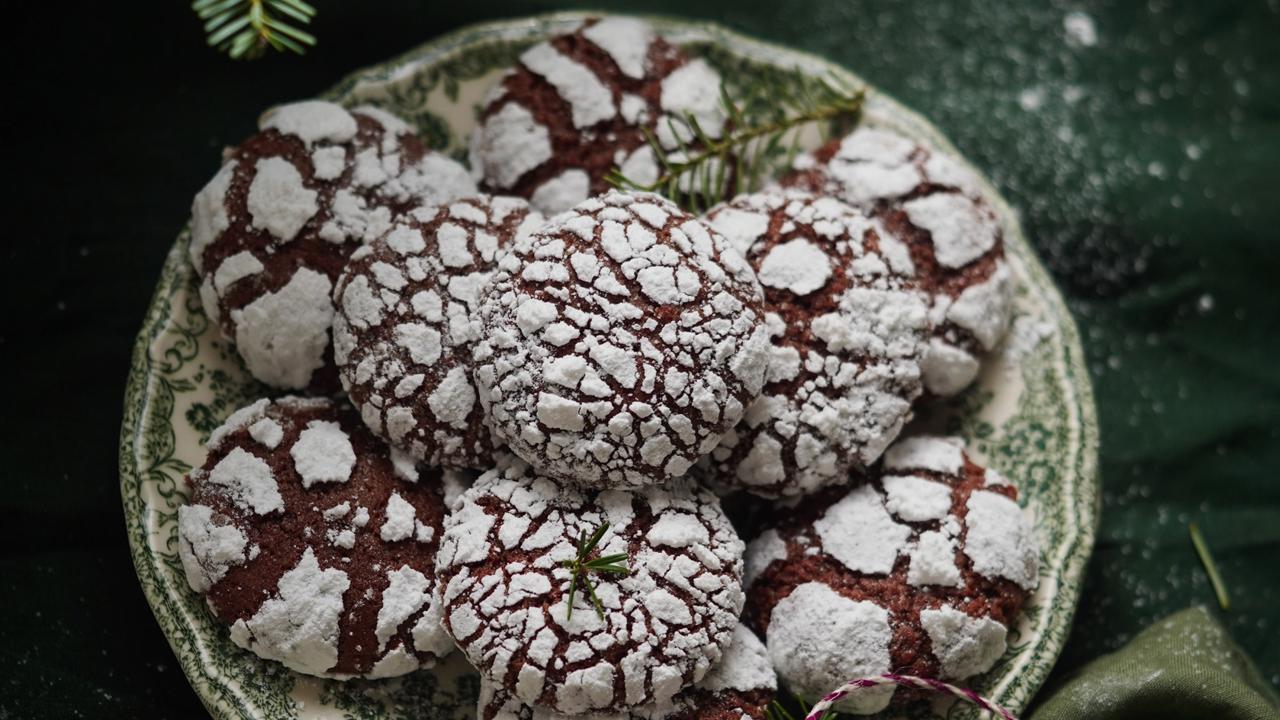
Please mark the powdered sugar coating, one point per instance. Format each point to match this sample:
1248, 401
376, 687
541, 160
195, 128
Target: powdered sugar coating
820, 639
282, 537
406, 325
919, 569
848, 330
939, 209
740, 687
505, 590
620, 342
577, 105
271, 231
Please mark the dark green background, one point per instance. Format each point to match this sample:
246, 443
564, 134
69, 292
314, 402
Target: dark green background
1145, 168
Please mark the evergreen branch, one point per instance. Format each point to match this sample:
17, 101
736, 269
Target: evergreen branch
700, 171
246, 28
581, 567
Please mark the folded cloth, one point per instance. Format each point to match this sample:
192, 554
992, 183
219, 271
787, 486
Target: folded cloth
1185, 666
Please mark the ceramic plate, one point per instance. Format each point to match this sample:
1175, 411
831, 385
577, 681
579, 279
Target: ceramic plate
1031, 416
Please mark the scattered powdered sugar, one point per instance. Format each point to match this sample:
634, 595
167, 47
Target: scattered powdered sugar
323, 453
590, 100
562, 191
819, 639
745, 665
248, 481
692, 90
407, 591
399, 523
209, 214
278, 201
267, 432
625, 39
1001, 540
282, 335
298, 626
619, 342
508, 144
916, 499
942, 455
311, 121
961, 230
984, 309
762, 551
207, 548
965, 645
858, 531
796, 265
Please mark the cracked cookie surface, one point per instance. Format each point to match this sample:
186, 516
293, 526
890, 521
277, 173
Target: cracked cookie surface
505, 589
406, 325
620, 342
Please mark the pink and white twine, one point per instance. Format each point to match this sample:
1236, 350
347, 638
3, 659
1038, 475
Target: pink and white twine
910, 681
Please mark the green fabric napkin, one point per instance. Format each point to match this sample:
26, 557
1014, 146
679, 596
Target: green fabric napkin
1185, 666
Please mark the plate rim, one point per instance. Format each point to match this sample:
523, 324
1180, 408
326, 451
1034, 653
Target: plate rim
141, 394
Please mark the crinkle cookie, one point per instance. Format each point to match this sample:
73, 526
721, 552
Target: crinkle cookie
740, 687
313, 544
577, 106
938, 208
272, 230
919, 570
405, 326
620, 342
848, 328
506, 589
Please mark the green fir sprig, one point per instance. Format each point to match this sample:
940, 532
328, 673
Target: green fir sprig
244, 29
581, 567
701, 170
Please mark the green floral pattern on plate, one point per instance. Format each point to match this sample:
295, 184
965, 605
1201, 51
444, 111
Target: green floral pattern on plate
1031, 416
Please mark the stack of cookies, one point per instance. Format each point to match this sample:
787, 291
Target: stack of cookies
518, 396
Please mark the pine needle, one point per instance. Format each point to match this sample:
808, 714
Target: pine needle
1210, 567
244, 29
580, 568
702, 171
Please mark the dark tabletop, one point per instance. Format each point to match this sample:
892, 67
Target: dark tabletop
1144, 165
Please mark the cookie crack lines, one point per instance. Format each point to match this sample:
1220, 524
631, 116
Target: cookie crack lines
680, 379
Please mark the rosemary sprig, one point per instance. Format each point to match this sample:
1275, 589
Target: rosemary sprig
581, 567
246, 28
700, 171
1210, 567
